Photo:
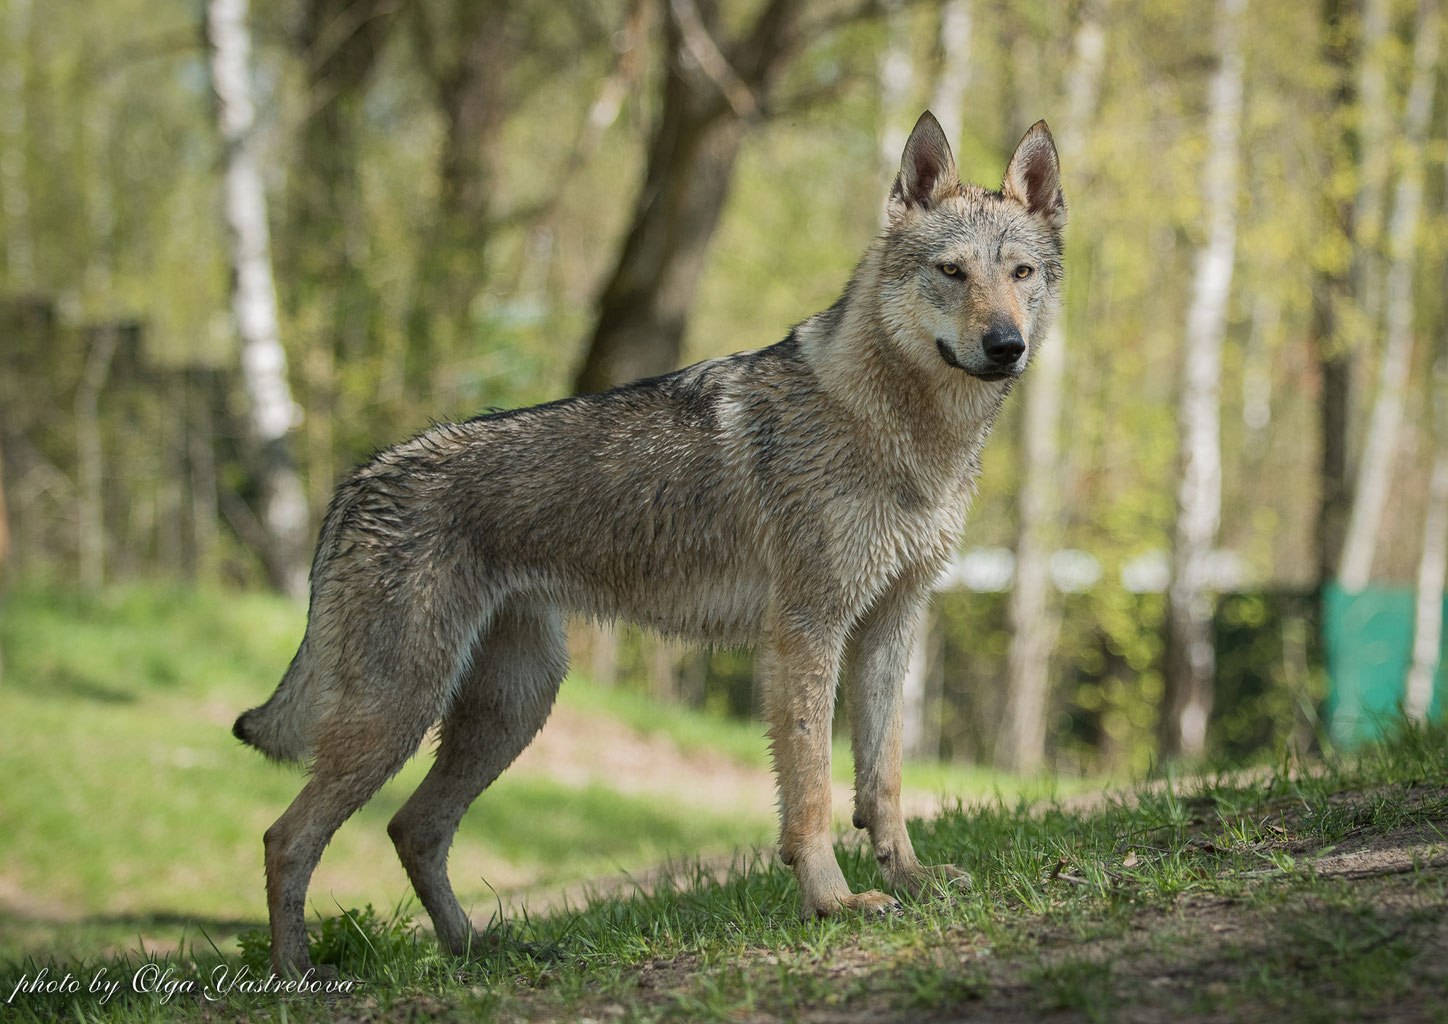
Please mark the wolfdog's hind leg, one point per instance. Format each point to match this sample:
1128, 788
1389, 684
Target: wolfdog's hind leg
353, 758
500, 705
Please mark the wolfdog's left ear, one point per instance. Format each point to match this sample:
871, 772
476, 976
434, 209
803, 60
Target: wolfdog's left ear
1033, 177
927, 169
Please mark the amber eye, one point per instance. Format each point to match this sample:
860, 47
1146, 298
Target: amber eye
951, 270
1023, 272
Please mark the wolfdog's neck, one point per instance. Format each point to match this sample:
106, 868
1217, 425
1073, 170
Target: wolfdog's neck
935, 417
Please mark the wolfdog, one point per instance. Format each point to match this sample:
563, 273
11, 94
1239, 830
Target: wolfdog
801, 497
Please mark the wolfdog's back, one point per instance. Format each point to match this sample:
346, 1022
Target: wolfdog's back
643, 503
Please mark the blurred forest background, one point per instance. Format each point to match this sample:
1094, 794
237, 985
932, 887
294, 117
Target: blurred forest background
242, 248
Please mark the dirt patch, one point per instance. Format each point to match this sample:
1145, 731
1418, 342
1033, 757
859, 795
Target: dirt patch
1414, 848
579, 749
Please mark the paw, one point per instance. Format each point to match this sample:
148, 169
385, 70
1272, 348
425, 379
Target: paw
934, 880
872, 903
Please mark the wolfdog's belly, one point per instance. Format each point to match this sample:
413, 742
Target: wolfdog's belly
701, 578
700, 607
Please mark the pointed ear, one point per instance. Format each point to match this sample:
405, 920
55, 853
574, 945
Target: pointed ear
1033, 177
927, 170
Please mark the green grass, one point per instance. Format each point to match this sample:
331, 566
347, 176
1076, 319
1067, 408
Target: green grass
1053, 924
1199, 899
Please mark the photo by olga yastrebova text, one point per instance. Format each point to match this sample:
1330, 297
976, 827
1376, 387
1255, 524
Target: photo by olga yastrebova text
165, 983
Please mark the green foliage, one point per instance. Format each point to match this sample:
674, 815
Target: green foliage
1270, 674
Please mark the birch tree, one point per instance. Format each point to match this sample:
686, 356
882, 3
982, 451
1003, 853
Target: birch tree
1380, 446
1374, 160
271, 412
1034, 617
1433, 565
897, 84
957, 27
1190, 657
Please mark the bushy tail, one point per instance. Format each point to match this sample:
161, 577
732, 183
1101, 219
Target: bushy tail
280, 728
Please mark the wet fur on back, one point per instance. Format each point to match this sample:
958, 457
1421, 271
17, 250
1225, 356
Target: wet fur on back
800, 497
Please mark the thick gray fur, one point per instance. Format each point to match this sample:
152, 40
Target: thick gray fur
801, 498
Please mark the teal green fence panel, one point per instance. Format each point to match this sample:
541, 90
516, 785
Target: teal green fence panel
1368, 637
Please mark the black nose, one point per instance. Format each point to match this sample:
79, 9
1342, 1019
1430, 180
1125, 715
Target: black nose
1003, 345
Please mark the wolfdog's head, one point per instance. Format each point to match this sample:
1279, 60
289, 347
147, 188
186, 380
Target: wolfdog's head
970, 275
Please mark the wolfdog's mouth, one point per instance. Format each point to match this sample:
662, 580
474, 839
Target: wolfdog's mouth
949, 357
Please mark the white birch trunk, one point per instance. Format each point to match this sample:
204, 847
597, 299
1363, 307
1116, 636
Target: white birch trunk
1380, 447
1374, 161
1432, 568
271, 412
1035, 617
957, 20
1190, 657
897, 82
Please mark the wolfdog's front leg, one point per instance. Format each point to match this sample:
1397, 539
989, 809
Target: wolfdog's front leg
876, 666
804, 659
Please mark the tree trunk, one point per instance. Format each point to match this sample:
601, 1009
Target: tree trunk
1034, 617
466, 57
1190, 656
14, 188
709, 91
89, 453
339, 43
1380, 446
201, 462
1432, 566
1332, 297
947, 102
1375, 158
324, 251
4, 509
271, 411
897, 84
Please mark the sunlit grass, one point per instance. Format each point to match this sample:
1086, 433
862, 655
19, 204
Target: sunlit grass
1085, 877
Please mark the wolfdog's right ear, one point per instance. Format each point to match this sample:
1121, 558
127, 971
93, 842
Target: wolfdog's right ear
927, 170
